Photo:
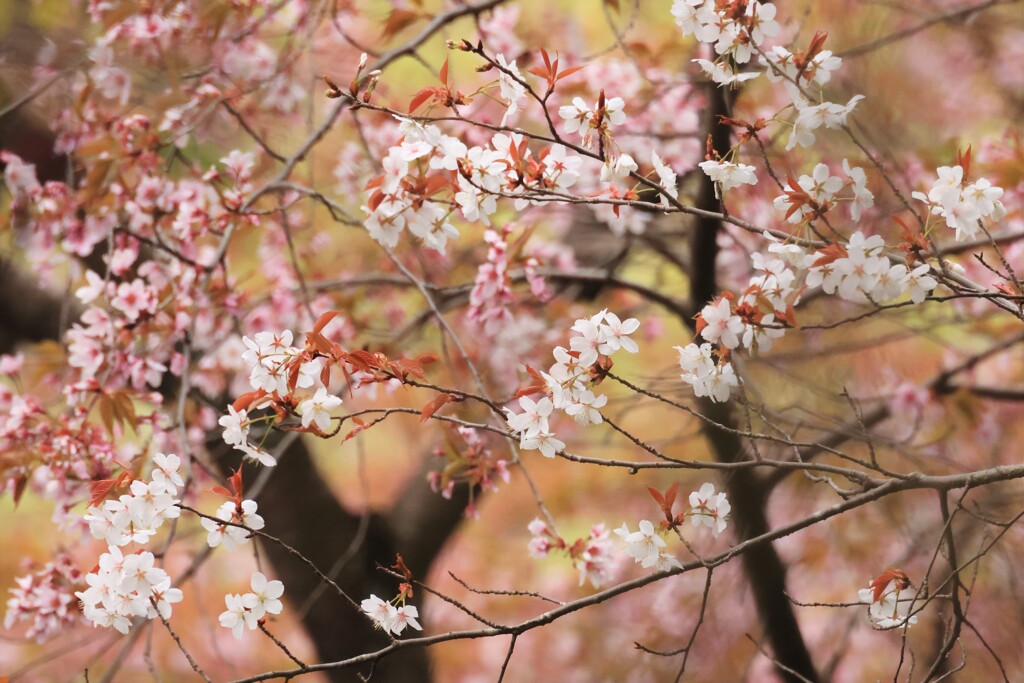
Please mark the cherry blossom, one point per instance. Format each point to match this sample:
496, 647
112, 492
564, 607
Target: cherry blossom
812, 117
237, 617
581, 118
708, 378
511, 86
317, 410
723, 73
821, 187
266, 594
667, 179
727, 175
962, 207
720, 325
540, 538
545, 442
594, 562
709, 509
585, 408
403, 616
618, 168
533, 421
389, 618
243, 513
862, 196
165, 473
646, 547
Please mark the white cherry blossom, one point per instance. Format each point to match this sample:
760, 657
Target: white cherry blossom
709, 509
317, 410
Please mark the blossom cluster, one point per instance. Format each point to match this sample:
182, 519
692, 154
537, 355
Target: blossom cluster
135, 517
68, 449
474, 465
427, 162
751, 322
861, 272
389, 618
592, 555
124, 587
280, 372
645, 546
709, 509
491, 296
810, 69
244, 611
569, 382
963, 205
813, 195
711, 377
735, 35
45, 599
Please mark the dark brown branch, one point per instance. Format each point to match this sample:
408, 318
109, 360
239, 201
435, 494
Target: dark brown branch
762, 565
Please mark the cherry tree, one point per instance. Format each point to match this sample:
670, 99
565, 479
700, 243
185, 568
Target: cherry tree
492, 340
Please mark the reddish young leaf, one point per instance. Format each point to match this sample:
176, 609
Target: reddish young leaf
963, 159
699, 324
375, 200
529, 390
656, 495
435, 405
881, 582
533, 372
829, 254
444, 73
570, 71
670, 496
106, 407
362, 360
221, 491
247, 399
421, 97
788, 317
435, 184
361, 426
235, 480
322, 321
427, 358
100, 489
